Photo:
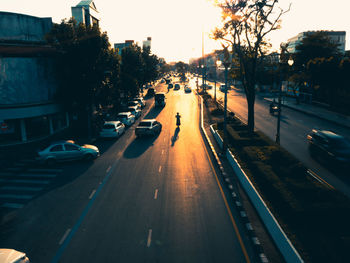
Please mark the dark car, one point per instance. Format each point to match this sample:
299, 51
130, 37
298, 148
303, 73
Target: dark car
148, 127
329, 146
170, 86
150, 92
177, 86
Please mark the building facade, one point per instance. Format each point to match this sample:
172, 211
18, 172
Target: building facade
85, 12
120, 46
337, 37
147, 43
27, 81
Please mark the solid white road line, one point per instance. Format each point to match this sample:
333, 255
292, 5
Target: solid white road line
64, 236
160, 168
149, 239
156, 194
108, 169
92, 194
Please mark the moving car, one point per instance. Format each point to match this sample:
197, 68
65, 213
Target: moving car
126, 117
329, 146
68, 150
135, 111
150, 92
148, 127
170, 86
177, 86
12, 256
159, 99
112, 129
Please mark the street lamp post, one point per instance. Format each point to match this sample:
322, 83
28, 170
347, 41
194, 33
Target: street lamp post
226, 65
202, 66
278, 133
217, 64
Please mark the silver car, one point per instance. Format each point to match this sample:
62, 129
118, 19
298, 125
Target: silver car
112, 129
135, 111
66, 151
126, 117
148, 127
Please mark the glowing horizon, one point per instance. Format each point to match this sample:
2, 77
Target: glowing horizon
176, 26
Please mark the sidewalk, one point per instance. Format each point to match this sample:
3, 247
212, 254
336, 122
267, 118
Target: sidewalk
313, 110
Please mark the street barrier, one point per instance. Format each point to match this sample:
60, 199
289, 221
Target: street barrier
289, 253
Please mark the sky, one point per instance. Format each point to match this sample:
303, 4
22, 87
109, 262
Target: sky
178, 27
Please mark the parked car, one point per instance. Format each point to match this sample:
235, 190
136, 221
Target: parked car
12, 256
66, 151
148, 127
126, 117
150, 92
329, 146
187, 89
135, 111
177, 86
159, 99
223, 87
112, 129
134, 103
141, 101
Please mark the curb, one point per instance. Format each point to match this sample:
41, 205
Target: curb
257, 248
289, 253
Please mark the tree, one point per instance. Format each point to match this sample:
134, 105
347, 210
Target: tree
150, 65
84, 58
314, 45
131, 71
182, 68
246, 23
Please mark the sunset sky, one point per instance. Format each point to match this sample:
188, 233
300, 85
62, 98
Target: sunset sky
176, 26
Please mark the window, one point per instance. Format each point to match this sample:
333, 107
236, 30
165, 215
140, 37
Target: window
57, 148
71, 147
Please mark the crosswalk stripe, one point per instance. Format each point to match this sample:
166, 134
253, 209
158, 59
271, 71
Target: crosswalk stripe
13, 196
12, 205
21, 188
36, 175
24, 181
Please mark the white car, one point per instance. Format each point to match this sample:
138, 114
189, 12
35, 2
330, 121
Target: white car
134, 103
141, 101
126, 117
135, 111
112, 129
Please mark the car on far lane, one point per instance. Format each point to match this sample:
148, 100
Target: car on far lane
148, 127
329, 146
134, 103
67, 150
126, 117
112, 129
177, 86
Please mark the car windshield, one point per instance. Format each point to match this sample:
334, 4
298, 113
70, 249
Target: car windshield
145, 124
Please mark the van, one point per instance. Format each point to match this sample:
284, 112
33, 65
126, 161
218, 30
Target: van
159, 99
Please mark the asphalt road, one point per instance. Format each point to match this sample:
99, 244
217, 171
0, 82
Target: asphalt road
294, 128
143, 200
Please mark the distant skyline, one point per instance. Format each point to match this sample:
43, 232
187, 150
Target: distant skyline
176, 26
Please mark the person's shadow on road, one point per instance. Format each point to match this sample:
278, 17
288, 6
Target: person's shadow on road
175, 136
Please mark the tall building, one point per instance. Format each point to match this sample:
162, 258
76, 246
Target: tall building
147, 43
85, 12
337, 37
120, 46
28, 111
